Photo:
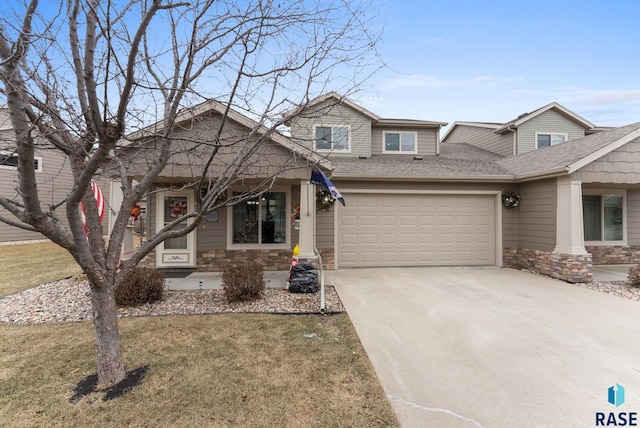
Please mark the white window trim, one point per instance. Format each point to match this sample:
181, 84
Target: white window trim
601, 192
332, 150
37, 158
400, 151
551, 134
235, 246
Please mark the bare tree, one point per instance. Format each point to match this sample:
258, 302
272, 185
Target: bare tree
107, 84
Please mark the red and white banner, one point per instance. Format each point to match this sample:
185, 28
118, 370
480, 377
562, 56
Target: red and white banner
97, 194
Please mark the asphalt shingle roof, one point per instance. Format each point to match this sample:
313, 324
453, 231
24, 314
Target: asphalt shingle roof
463, 161
563, 155
454, 161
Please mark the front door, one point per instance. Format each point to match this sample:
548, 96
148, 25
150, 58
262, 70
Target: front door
175, 252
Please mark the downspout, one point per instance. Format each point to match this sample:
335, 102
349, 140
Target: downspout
322, 299
515, 139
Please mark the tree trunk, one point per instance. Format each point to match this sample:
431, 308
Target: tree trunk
107, 336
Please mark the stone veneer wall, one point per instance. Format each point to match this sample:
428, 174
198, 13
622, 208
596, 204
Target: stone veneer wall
567, 267
611, 255
212, 261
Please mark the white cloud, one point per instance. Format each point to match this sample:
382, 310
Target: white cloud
608, 97
422, 81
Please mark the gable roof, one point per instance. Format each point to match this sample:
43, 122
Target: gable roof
189, 113
570, 156
338, 99
555, 106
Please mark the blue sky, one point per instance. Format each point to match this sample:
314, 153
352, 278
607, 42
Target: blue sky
491, 61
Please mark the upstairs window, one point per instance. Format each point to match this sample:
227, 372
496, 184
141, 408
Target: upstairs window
400, 142
549, 139
10, 161
603, 218
332, 138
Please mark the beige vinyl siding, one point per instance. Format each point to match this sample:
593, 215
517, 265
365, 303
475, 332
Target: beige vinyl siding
550, 121
189, 158
484, 138
427, 139
325, 229
537, 215
633, 217
212, 235
54, 183
328, 113
621, 166
510, 224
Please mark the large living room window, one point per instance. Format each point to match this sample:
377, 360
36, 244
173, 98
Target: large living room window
547, 139
603, 217
332, 138
260, 220
400, 142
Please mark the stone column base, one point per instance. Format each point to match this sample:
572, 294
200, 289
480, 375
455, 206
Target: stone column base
566, 267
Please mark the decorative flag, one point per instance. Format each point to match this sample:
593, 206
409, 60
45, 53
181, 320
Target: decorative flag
97, 193
320, 179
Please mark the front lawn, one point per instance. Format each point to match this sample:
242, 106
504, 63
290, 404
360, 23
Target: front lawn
217, 370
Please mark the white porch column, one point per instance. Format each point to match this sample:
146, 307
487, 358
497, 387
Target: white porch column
307, 239
569, 226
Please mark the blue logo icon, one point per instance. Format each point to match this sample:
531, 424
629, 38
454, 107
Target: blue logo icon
616, 395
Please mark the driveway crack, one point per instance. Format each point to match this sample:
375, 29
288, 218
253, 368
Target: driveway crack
433, 409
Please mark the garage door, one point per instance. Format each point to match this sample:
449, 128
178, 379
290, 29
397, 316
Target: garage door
416, 230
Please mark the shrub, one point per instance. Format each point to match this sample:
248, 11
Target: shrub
243, 282
140, 286
634, 276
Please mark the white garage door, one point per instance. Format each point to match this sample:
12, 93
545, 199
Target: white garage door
416, 230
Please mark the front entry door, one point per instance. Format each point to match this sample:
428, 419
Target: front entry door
175, 252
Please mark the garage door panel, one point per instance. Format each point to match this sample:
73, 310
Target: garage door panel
410, 230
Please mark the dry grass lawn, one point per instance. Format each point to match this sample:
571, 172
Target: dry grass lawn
27, 265
220, 370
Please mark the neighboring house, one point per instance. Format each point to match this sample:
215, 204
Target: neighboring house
547, 126
414, 201
53, 176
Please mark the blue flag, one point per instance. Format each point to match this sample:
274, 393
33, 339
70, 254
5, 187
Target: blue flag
320, 179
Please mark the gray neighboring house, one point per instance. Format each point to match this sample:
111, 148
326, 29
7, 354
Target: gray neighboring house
412, 200
53, 176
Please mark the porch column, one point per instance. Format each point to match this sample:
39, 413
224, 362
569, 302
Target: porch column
307, 238
569, 226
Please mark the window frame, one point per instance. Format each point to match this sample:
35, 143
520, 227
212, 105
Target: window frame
332, 149
550, 134
37, 159
601, 193
258, 246
400, 151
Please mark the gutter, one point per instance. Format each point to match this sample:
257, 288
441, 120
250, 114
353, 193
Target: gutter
409, 177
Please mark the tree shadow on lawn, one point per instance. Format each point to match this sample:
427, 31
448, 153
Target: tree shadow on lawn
89, 385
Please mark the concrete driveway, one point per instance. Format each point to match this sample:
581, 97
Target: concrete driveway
490, 347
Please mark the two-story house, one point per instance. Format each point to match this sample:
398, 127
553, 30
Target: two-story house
412, 200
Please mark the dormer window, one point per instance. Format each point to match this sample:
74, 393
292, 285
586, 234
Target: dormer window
544, 139
332, 138
400, 142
